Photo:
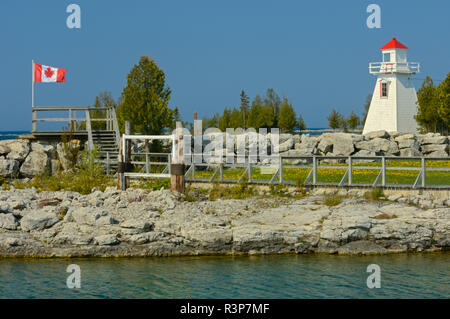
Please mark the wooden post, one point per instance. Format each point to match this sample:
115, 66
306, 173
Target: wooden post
177, 166
120, 185
127, 152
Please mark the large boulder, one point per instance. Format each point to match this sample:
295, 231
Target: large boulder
89, 216
286, 145
378, 145
434, 140
9, 168
136, 226
377, 134
8, 221
63, 153
340, 144
408, 143
410, 152
36, 163
19, 150
38, 220
4, 149
430, 148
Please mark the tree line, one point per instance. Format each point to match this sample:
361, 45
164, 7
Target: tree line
263, 112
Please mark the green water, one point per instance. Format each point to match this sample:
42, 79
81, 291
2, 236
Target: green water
402, 276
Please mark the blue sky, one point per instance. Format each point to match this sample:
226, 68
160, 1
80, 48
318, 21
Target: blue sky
314, 52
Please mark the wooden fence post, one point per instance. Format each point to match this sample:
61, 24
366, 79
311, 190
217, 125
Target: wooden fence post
127, 152
177, 165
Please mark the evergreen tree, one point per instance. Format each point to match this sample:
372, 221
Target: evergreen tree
427, 112
443, 104
103, 100
273, 101
208, 122
301, 123
145, 99
260, 115
224, 121
244, 108
335, 119
236, 119
287, 119
353, 120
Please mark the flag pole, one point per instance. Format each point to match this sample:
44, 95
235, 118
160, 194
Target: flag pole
32, 83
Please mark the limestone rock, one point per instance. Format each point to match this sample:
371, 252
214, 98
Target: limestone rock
429, 148
106, 240
19, 150
434, 140
38, 220
9, 167
8, 221
410, 152
136, 226
89, 216
36, 163
377, 134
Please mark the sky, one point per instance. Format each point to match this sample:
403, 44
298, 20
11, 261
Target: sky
316, 53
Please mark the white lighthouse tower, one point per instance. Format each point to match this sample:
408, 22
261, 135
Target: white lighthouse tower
394, 99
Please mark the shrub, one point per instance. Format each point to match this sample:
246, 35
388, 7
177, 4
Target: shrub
333, 199
374, 194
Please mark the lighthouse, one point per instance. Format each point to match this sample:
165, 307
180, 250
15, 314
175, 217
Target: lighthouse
394, 99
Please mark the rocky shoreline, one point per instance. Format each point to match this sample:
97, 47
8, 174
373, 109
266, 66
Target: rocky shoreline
139, 222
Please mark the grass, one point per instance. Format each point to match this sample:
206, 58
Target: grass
361, 176
333, 199
375, 194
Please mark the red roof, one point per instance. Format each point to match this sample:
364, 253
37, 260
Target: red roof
394, 44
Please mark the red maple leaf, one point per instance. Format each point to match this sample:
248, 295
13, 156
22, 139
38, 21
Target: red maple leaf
49, 72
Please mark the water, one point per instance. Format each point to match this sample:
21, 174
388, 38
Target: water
10, 135
402, 276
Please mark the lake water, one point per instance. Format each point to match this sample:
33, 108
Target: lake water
302, 276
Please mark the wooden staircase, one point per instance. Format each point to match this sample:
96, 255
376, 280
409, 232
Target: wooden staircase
106, 144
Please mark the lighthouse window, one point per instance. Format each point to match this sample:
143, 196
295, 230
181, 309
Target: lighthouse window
384, 89
387, 57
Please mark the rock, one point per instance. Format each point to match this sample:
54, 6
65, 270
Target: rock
63, 155
136, 226
9, 167
106, 240
361, 247
144, 238
89, 216
377, 134
394, 197
287, 145
437, 154
8, 221
434, 140
36, 163
55, 166
378, 145
4, 149
38, 220
429, 148
410, 152
340, 144
408, 143
407, 136
19, 150
12, 242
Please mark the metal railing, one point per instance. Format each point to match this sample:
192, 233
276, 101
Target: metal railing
391, 67
313, 172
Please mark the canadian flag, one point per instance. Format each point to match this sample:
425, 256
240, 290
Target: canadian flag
48, 74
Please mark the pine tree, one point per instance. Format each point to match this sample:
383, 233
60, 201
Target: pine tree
287, 119
301, 123
427, 112
273, 101
103, 100
244, 108
224, 121
145, 99
260, 115
335, 119
443, 104
353, 120
236, 119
